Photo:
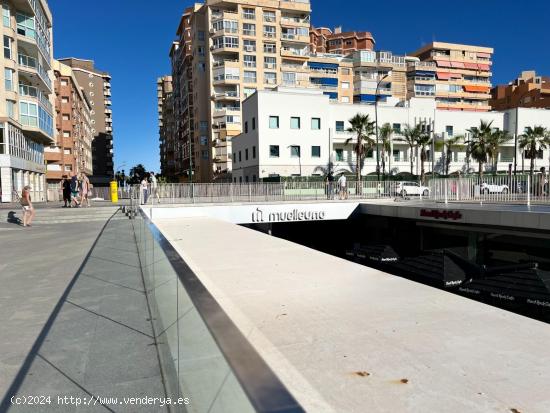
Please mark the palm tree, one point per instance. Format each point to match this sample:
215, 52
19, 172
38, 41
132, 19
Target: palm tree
448, 146
386, 132
410, 136
478, 145
532, 141
495, 140
422, 142
362, 126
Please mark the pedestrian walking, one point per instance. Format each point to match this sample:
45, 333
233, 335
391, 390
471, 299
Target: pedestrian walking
84, 190
144, 190
66, 187
330, 186
26, 204
342, 186
154, 188
75, 191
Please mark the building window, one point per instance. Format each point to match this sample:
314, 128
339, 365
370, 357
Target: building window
249, 61
254, 178
253, 152
339, 126
26, 25
246, 154
64, 99
240, 156
397, 127
249, 14
315, 151
249, 76
234, 157
269, 16
339, 155
64, 82
270, 78
7, 47
204, 140
246, 178
249, 29
253, 123
270, 48
10, 108
28, 113
201, 35
270, 31
204, 154
66, 117
294, 122
449, 130
203, 126
8, 79
315, 123
246, 127
274, 151
66, 134
249, 45
345, 85
295, 151
345, 99
273, 122
270, 62
6, 15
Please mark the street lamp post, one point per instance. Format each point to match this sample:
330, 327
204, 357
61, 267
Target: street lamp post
376, 122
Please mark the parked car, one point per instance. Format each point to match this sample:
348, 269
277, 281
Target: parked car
492, 188
411, 188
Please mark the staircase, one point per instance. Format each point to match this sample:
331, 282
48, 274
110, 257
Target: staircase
51, 216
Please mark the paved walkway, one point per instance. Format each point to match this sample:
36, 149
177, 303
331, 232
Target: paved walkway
74, 318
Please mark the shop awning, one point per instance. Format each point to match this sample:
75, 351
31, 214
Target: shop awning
458, 65
443, 63
484, 67
319, 65
443, 75
473, 66
476, 89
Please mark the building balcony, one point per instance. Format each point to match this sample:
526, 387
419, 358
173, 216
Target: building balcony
31, 43
228, 95
295, 21
225, 15
220, 112
107, 92
229, 63
53, 155
34, 71
226, 80
294, 38
109, 111
295, 5
296, 53
227, 48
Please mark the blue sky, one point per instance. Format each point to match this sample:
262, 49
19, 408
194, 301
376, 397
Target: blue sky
131, 39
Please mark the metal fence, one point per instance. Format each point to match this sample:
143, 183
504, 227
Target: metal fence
496, 189
508, 189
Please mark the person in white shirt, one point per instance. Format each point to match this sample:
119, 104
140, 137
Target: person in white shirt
154, 188
144, 190
342, 185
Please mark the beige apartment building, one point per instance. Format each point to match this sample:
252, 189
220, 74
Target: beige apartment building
96, 85
71, 154
459, 76
166, 125
324, 40
224, 52
26, 98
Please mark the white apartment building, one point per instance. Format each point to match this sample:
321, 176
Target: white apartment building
299, 132
26, 98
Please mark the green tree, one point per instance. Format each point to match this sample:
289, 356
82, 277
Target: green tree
410, 137
363, 128
532, 141
495, 140
422, 142
478, 144
137, 173
385, 134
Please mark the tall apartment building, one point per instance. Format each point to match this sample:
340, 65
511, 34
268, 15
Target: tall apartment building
97, 88
324, 40
528, 90
166, 125
460, 78
26, 98
72, 151
226, 50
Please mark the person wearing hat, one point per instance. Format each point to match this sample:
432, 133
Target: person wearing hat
26, 203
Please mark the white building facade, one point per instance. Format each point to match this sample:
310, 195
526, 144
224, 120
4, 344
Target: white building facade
26, 98
299, 132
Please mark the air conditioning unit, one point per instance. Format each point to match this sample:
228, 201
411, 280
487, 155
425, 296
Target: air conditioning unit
212, 48
249, 48
212, 30
270, 66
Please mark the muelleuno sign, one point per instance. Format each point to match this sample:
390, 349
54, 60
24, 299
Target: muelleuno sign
259, 215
